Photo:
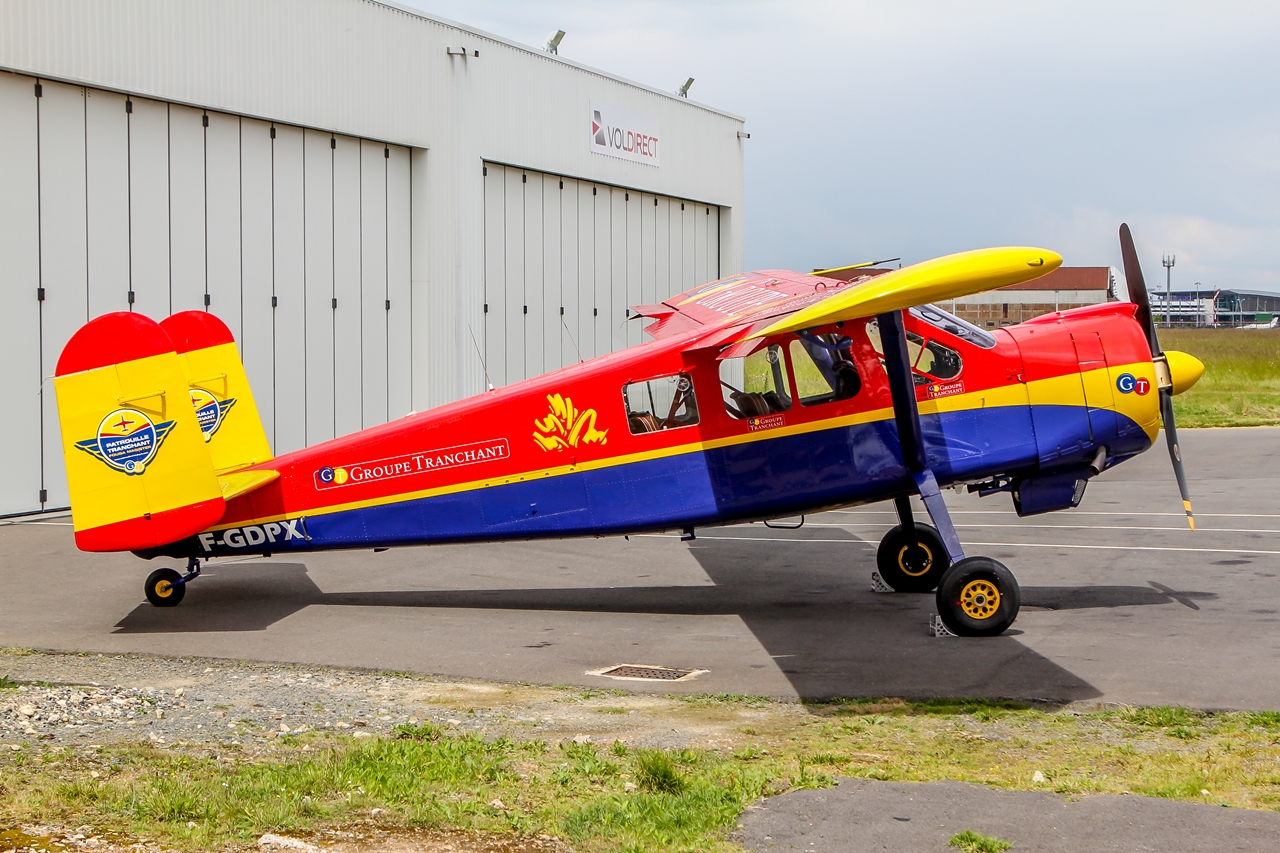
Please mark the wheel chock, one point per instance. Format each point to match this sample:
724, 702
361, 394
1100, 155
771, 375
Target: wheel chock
878, 584
938, 628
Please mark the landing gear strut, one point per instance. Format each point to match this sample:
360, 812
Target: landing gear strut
977, 596
165, 587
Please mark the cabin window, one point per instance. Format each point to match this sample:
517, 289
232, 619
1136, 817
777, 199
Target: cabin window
756, 385
965, 331
930, 360
824, 368
663, 403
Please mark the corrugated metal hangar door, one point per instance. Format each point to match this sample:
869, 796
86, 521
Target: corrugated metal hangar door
297, 238
565, 259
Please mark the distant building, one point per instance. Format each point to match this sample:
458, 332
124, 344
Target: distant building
1065, 287
1209, 307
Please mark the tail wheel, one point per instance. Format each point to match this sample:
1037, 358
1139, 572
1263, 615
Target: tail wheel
912, 562
162, 588
978, 597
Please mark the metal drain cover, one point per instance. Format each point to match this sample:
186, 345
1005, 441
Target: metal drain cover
646, 672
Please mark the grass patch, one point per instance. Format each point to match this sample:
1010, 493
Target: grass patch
975, 842
7, 683
614, 797
1241, 382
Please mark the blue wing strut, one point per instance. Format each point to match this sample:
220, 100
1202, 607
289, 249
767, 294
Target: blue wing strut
897, 365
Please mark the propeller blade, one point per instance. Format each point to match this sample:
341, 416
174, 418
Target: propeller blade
1137, 287
1175, 454
1138, 296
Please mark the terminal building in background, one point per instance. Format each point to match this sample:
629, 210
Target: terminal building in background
1205, 306
359, 190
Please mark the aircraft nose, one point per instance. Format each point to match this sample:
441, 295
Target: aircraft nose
1185, 369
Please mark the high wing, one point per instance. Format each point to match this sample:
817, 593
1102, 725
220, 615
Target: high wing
747, 307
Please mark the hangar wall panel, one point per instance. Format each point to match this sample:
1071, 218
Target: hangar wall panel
104, 196
23, 390
565, 260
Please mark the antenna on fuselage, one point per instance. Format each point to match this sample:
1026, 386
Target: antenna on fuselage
479, 355
571, 340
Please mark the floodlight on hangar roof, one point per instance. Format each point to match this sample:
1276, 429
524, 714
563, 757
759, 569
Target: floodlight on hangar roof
484, 34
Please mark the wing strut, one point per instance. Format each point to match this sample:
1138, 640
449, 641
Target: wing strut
897, 365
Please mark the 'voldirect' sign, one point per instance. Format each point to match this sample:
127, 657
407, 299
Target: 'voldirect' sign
621, 133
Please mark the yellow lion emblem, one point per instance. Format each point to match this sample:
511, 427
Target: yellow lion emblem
567, 426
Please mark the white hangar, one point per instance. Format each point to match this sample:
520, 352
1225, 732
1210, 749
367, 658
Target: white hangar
356, 188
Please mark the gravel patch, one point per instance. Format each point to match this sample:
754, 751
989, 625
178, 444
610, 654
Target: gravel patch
82, 699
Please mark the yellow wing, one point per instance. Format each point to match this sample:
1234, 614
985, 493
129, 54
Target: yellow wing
948, 277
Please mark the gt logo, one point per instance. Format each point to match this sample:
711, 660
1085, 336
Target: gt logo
254, 534
1127, 383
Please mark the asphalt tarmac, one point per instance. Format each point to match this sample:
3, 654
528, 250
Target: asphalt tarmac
904, 817
1121, 602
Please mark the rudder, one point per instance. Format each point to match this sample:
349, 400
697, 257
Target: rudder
219, 388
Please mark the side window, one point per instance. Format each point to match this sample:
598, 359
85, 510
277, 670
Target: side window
824, 369
658, 404
929, 359
756, 385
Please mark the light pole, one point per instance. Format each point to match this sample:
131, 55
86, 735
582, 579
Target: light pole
1199, 306
1168, 262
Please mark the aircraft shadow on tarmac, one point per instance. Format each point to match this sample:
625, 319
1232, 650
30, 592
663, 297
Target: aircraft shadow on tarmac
826, 630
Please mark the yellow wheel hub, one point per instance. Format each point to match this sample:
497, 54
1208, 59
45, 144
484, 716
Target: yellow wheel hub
924, 567
980, 599
164, 589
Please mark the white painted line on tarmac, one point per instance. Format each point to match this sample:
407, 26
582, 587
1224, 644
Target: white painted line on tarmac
1073, 512
965, 544
1182, 529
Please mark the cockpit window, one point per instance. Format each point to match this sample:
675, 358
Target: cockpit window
935, 316
658, 404
930, 359
824, 368
756, 385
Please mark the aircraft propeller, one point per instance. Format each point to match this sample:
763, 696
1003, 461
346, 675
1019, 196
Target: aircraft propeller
1164, 376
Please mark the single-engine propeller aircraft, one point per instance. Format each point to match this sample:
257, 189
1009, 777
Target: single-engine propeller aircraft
762, 396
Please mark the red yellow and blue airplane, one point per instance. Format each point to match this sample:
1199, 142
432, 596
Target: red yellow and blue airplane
762, 396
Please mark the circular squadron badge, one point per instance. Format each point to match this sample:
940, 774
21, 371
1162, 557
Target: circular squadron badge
209, 411
127, 441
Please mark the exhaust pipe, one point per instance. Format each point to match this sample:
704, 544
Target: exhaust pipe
1099, 462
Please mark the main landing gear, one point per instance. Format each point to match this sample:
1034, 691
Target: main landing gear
976, 596
166, 587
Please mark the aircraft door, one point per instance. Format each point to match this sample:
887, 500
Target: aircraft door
1097, 385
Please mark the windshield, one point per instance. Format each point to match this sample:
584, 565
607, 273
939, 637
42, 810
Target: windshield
936, 317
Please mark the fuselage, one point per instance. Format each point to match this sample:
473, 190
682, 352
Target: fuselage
672, 434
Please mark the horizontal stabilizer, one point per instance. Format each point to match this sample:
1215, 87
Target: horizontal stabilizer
240, 483
948, 277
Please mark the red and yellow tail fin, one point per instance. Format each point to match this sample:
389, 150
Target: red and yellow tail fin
138, 468
220, 391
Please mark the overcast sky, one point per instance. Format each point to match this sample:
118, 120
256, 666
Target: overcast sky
921, 128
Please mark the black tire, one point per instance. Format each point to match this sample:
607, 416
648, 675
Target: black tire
161, 590
978, 597
912, 563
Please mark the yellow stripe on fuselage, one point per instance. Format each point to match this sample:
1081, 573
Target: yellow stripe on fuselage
1066, 390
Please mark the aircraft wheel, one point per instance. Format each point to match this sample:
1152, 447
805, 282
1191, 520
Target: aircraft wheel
912, 562
978, 597
161, 590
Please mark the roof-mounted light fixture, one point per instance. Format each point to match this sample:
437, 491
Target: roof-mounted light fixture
683, 91
553, 42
